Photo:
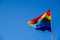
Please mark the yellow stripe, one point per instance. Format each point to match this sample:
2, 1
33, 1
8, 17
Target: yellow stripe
48, 17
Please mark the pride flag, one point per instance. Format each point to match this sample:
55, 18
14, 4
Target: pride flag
42, 22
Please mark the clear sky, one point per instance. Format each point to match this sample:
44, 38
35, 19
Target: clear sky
14, 15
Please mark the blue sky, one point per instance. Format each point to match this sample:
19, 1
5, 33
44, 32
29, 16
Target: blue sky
14, 15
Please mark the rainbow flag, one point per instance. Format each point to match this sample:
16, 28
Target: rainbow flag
42, 22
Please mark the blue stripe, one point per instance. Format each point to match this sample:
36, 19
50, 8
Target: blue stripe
44, 24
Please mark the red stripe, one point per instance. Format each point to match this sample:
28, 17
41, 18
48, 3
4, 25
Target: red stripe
39, 17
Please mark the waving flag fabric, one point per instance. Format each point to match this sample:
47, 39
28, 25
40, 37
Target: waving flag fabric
42, 22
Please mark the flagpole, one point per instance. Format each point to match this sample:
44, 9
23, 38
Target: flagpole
52, 36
